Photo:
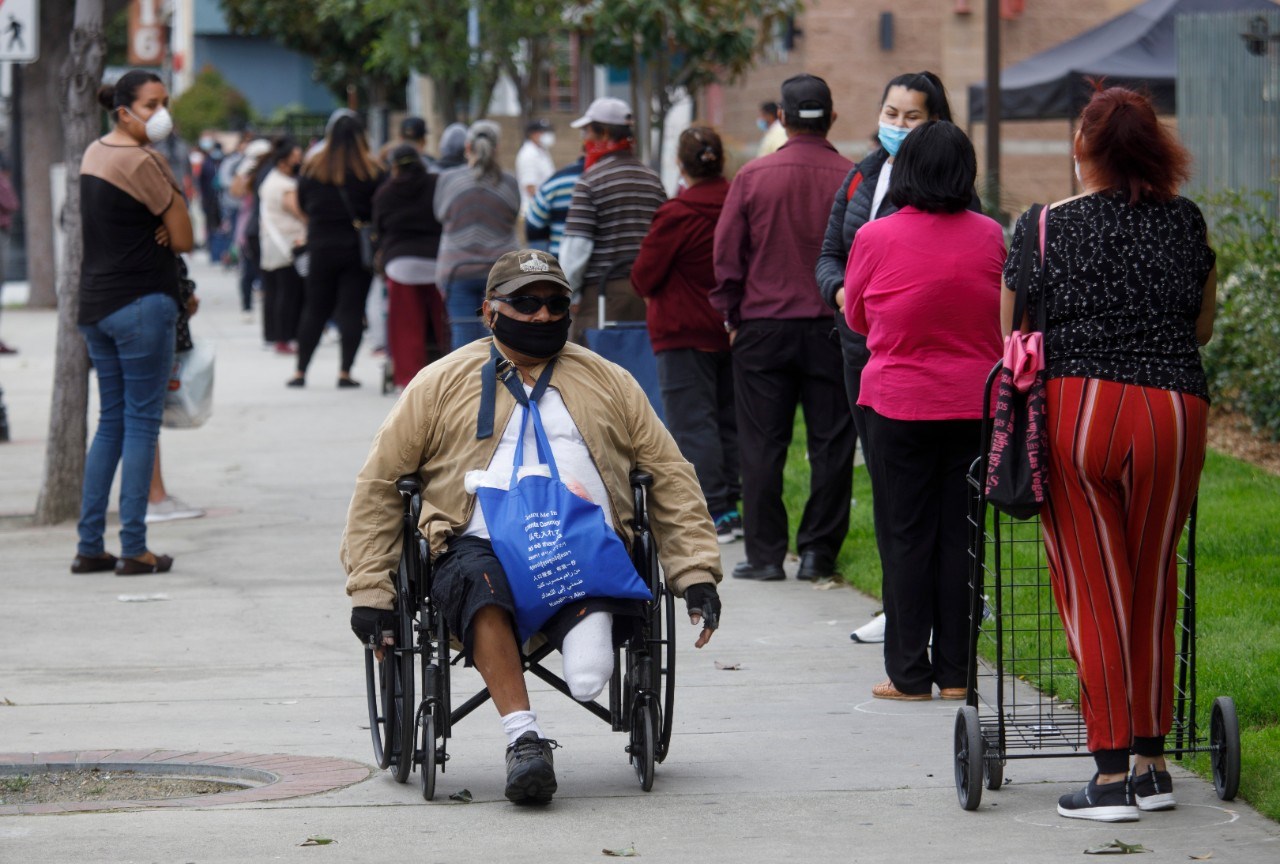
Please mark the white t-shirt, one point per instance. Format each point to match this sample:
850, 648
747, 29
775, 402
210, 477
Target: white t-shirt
882, 188
279, 229
577, 470
411, 270
533, 166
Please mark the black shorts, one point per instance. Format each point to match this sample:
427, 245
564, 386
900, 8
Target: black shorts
468, 576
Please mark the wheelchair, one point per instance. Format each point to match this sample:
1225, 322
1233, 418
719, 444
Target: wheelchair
411, 712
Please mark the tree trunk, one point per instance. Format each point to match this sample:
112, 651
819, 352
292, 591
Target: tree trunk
639, 116
42, 144
65, 452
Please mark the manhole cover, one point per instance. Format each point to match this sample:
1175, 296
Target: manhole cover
96, 784
76, 781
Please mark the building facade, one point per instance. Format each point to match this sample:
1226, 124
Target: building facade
857, 46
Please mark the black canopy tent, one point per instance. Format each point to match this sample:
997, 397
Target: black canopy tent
1135, 49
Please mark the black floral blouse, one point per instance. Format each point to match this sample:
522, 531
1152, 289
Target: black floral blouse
1125, 284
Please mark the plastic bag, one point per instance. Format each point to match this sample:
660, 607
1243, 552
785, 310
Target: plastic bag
189, 401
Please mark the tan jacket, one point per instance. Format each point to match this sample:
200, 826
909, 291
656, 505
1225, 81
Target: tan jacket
432, 431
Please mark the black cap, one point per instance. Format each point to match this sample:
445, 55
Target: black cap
413, 128
538, 125
806, 97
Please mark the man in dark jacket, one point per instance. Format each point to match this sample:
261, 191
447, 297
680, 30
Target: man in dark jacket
784, 346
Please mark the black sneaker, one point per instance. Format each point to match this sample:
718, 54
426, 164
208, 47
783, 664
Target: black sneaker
1101, 802
728, 527
531, 776
1152, 789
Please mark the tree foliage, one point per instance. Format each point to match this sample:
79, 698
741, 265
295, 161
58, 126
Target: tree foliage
430, 37
375, 44
209, 103
680, 45
340, 40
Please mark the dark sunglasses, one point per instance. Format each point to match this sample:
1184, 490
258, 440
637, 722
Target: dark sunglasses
529, 305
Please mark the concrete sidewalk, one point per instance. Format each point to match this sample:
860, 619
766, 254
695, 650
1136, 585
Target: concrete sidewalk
786, 757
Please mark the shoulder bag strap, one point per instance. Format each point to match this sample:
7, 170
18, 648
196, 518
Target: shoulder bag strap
1029, 244
1042, 312
498, 367
351, 213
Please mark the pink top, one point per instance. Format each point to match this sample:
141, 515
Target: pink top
925, 289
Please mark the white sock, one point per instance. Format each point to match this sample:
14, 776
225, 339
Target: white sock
588, 656
517, 723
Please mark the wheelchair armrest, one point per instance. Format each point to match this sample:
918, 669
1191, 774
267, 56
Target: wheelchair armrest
641, 478
409, 484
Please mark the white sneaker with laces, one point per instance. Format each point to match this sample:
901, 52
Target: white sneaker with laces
872, 631
171, 509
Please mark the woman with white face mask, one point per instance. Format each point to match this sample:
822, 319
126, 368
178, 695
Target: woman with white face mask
134, 221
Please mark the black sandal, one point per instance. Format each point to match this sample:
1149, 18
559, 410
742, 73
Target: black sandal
93, 563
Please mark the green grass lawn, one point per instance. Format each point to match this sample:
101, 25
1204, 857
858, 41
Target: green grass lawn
1238, 602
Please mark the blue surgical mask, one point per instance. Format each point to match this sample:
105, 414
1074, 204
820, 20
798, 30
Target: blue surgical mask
763, 124
891, 137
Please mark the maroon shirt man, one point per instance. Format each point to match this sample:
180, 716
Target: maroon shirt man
785, 350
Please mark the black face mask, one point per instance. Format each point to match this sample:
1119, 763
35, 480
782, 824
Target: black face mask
531, 338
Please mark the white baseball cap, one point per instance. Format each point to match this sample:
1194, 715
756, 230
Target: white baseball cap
610, 111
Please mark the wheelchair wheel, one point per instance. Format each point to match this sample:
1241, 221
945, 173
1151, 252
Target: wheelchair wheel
401, 663
968, 757
644, 741
1224, 745
381, 709
428, 741
665, 631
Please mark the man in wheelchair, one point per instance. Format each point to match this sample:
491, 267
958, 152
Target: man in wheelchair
600, 428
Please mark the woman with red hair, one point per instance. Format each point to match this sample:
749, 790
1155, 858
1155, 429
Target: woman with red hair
1129, 282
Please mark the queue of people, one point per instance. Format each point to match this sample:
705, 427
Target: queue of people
868, 295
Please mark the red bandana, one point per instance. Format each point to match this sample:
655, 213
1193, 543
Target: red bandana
597, 150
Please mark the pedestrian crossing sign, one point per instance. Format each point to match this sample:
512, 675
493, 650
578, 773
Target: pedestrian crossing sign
19, 31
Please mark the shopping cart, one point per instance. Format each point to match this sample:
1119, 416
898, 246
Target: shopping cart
626, 342
1016, 638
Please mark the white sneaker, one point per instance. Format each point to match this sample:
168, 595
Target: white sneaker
872, 631
170, 509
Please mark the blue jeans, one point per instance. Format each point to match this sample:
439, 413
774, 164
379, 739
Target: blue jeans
132, 352
461, 302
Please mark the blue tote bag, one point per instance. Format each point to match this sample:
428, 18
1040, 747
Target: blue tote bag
555, 546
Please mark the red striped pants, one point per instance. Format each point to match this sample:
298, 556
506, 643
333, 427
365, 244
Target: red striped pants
1124, 466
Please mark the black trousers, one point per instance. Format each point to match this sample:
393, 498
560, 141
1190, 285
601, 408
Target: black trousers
336, 287
281, 304
918, 480
778, 364
697, 397
856, 354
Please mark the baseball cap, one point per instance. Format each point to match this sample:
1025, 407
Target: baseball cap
806, 96
525, 267
538, 125
413, 128
607, 110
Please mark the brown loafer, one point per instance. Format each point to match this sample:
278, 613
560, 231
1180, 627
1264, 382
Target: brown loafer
886, 690
138, 567
93, 563
952, 692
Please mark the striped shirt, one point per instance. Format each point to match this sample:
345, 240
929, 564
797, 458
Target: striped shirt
550, 205
479, 220
613, 204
